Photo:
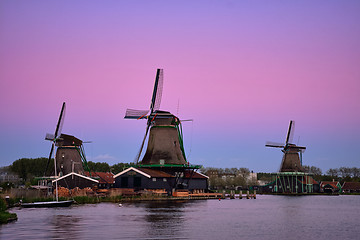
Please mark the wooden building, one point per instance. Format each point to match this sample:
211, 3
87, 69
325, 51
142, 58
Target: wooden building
106, 179
154, 179
330, 187
351, 187
73, 180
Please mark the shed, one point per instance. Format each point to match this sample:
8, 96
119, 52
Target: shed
106, 179
73, 180
330, 187
351, 187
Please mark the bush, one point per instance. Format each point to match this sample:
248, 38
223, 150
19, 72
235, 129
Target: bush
3, 205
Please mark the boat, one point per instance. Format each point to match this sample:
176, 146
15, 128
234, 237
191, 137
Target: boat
50, 204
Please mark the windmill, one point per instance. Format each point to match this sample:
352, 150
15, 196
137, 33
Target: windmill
290, 161
165, 143
70, 156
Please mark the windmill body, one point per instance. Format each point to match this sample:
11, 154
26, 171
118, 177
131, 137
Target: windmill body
68, 155
291, 160
164, 146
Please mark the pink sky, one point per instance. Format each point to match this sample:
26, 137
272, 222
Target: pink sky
240, 69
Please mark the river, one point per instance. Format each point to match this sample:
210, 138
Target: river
267, 217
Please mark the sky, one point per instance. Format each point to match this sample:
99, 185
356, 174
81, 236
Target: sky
240, 69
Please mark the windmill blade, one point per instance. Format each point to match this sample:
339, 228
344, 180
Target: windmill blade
187, 120
60, 122
50, 137
157, 93
290, 133
136, 114
49, 159
273, 144
298, 147
142, 144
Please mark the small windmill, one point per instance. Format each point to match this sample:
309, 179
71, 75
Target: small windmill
290, 161
165, 144
70, 156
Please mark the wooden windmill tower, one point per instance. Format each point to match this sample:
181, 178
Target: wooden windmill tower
165, 155
69, 155
291, 162
291, 178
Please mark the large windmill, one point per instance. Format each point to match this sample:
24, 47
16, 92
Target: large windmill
165, 144
291, 162
69, 155
164, 161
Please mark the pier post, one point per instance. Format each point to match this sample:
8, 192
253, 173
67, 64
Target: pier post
240, 194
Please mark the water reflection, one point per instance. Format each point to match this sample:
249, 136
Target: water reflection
165, 219
267, 217
65, 227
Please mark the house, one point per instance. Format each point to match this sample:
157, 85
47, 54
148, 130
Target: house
351, 187
330, 187
155, 179
106, 179
73, 180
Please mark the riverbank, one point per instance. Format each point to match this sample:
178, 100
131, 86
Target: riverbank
5, 216
14, 202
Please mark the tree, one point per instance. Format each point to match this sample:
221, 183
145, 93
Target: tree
98, 166
333, 172
312, 169
27, 168
119, 167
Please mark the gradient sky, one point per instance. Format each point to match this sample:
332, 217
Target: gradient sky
241, 69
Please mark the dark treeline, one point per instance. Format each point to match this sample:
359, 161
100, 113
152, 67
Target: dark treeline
30, 168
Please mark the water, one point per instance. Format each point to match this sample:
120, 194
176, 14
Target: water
267, 217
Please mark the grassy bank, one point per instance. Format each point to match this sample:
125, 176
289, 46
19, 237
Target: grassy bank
5, 216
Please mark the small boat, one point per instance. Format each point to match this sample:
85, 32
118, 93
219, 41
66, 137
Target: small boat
50, 204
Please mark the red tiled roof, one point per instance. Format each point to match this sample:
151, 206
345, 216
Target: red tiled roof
103, 177
332, 184
309, 180
351, 186
194, 175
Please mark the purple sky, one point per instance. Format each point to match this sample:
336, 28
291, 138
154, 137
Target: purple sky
241, 69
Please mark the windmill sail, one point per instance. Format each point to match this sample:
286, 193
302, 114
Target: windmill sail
290, 133
57, 133
154, 106
136, 114
157, 93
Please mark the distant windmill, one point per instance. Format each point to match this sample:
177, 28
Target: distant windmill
70, 155
290, 161
165, 144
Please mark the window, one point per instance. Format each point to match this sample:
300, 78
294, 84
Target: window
164, 179
154, 179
